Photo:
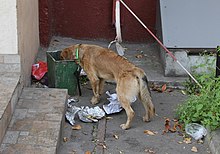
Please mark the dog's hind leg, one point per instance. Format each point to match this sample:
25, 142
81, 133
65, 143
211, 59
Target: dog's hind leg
129, 111
149, 108
127, 89
146, 100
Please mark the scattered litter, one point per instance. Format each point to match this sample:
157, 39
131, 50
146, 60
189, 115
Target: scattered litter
195, 130
83, 73
39, 70
70, 115
119, 49
114, 105
85, 114
72, 100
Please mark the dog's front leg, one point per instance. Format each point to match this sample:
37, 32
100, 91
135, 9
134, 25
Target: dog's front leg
95, 88
101, 86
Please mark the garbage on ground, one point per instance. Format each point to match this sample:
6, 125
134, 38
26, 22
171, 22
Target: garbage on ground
114, 106
86, 114
39, 70
195, 130
39, 74
83, 73
72, 100
70, 115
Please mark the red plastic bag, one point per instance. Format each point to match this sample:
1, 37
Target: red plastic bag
39, 70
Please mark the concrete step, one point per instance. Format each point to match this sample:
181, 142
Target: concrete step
36, 125
10, 91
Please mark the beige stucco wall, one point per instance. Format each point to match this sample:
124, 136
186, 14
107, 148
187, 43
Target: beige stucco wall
28, 36
8, 27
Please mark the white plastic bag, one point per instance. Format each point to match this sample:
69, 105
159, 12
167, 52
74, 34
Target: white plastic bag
195, 130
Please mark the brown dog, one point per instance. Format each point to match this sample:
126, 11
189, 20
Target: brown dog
102, 64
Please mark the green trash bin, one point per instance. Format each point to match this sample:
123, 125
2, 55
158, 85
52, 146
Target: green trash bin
61, 73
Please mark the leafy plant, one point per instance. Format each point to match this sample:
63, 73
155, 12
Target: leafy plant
203, 104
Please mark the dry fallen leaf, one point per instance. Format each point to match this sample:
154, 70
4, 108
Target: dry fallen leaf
194, 149
183, 92
76, 127
149, 151
200, 141
148, 132
164, 87
167, 126
65, 139
87, 152
139, 56
103, 145
187, 140
177, 125
116, 136
109, 118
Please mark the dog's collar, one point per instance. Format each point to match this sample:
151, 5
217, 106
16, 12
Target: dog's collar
77, 60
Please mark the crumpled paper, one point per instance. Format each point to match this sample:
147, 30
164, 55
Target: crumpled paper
86, 114
114, 106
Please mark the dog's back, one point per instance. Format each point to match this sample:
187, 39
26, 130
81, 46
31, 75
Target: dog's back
105, 62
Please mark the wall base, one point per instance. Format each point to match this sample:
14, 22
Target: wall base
172, 68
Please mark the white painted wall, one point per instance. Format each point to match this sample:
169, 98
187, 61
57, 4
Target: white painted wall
8, 27
190, 23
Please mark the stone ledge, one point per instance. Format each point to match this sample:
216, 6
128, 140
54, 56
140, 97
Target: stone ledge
11, 89
37, 122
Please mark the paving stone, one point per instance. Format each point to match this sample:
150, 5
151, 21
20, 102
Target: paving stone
11, 137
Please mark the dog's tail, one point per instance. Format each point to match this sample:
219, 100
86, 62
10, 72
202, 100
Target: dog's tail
144, 93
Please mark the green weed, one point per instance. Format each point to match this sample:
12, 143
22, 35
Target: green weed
203, 104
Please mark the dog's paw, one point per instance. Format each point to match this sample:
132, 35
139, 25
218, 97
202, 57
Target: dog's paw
94, 100
124, 126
